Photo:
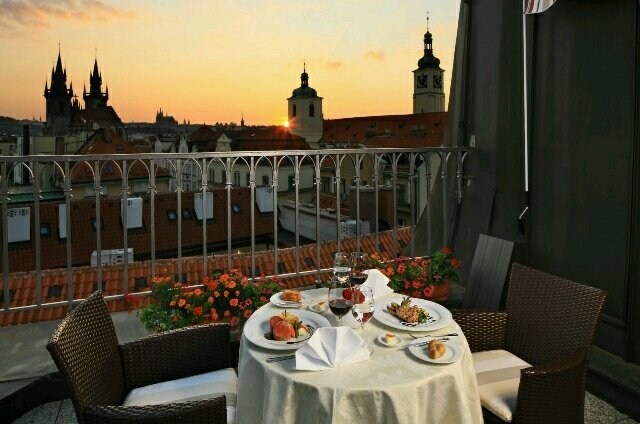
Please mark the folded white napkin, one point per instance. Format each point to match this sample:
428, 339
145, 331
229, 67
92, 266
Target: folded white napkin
378, 283
330, 347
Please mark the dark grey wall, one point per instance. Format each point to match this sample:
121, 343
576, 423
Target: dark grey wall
582, 127
583, 218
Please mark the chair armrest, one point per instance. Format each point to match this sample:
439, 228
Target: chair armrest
202, 411
553, 392
484, 330
175, 354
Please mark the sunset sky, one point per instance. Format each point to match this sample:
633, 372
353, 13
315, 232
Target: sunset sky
212, 60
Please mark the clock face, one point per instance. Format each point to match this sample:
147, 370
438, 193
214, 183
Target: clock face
422, 81
437, 81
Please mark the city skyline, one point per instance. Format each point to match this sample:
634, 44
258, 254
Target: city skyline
212, 71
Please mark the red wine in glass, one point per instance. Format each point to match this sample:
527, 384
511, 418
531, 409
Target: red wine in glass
358, 279
340, 307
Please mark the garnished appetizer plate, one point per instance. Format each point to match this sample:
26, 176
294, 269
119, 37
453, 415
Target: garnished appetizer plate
285, 331
412, 314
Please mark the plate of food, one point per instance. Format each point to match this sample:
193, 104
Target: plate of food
289, 299
435, 350
411, 314
285, 331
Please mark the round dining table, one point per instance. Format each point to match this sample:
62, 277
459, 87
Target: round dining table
393, 386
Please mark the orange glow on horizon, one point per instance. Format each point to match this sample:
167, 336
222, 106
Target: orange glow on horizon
237, 57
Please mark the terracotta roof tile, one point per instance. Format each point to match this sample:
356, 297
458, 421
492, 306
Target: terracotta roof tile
401, 131
24, 282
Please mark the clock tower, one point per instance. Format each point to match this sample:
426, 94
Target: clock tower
305, 111
428, 91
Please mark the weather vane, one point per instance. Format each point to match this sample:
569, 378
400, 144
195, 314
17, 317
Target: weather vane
427, 20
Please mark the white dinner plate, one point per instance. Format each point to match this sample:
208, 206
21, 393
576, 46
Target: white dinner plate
256, 327
439, 316
452, 354
277, 301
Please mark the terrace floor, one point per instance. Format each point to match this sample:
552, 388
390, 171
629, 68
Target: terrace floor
596, 411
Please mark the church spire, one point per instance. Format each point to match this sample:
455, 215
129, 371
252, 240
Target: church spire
304, 77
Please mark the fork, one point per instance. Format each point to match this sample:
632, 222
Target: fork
439, 335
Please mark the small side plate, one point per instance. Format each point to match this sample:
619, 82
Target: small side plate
384, 341
453, 353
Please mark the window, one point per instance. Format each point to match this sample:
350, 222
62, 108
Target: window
186, 214
54, 291
293, 111
94, 226
265, 180
45, 230
236, 178
108, 169
312, 110
235, 208
402, 194
326, 184
291, 182
282, 269
222, 176
343, 186
12, 294
171, 215
308, 261
140, 283
248, 179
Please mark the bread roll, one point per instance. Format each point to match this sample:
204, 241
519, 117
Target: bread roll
436, 349
291, 296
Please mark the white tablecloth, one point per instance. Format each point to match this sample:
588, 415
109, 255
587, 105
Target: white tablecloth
392, 387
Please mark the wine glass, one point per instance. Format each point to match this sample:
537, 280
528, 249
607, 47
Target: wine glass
341, 267
337, 302
358, 268
363, 306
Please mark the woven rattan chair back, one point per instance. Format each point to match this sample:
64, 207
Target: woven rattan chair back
549, 317
85, 348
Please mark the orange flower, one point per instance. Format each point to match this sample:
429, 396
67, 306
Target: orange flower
167, 279
225, 293
181, 303
198, 292
224, 277
187, 306
172, 303
197, 311
231, 284
455, 263
214, 317
446, 251
216, 293
237, 293
210, 300
233, 302
226, 313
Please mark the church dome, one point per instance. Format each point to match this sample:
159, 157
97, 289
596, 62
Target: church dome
428, 61
304, 90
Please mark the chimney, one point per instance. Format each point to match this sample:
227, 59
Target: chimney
26, 139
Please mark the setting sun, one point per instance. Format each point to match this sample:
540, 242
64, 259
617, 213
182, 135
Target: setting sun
285, 124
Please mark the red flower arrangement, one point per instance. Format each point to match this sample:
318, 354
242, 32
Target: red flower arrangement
418, 277
229, 296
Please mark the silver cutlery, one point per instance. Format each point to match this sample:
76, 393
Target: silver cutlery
438, 335
280, 358
442, 339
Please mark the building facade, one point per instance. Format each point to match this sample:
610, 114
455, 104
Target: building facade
428, 84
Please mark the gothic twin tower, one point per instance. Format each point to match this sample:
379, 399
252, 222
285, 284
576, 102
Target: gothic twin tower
62, 103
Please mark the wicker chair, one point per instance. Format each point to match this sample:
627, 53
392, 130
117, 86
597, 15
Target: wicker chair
549, 323
101, 373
